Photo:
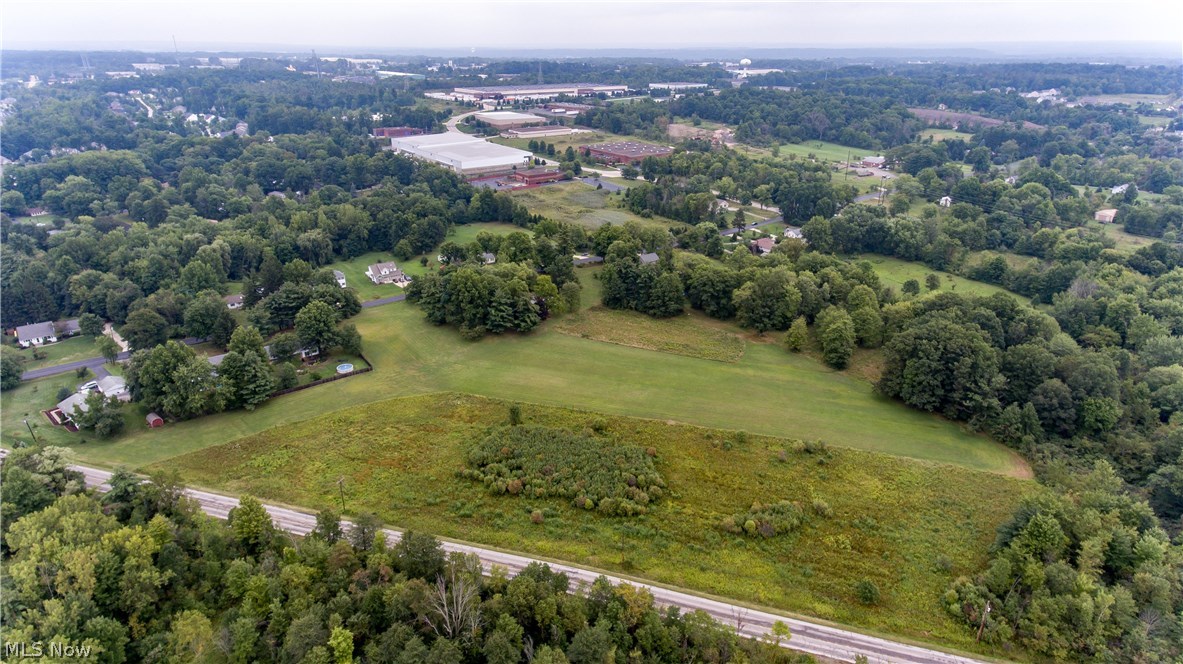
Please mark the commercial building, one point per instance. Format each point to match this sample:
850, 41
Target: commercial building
625, 152
537, 176
467, 155
503, 120
511, 92
538, 132
677, 86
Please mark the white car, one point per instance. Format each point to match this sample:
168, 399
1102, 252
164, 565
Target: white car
87, 387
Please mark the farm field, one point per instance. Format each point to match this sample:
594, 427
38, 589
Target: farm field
1132, 99
75, 348
823, 150
768, 391
894, 272
582, 204
889, 515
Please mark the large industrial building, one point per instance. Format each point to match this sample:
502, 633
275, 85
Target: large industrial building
677, 86
467, 155
503, 120
511, 92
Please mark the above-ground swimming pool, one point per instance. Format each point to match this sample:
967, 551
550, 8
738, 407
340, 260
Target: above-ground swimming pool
344, 368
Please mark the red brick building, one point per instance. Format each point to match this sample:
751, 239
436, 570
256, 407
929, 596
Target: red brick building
537, 176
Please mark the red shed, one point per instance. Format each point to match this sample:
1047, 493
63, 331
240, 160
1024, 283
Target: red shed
154, 420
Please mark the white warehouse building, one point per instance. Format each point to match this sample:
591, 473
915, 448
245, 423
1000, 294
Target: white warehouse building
467, 155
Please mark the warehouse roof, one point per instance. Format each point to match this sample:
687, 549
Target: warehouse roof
460, 151
508, 116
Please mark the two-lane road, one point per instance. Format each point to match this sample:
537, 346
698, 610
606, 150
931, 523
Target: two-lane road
822, 640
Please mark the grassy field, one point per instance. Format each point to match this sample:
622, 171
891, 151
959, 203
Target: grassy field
768, 391
823, 150
1127, 242
894, 272
582, 204
573, 140
889, 517
690, 334
1132, 99
942, 134
75, 348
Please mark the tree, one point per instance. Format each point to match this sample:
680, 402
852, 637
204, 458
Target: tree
11, 368
12, 203
251, 525
287, 377
247, 380
797, 336
836, 333
145, 329
246, 340
932, 281
768, 302
207, 317
419, 555
328, 527
911, 287
90, 324
341, 644
108, 348
173, 380
316, 326
938, 364
104, 415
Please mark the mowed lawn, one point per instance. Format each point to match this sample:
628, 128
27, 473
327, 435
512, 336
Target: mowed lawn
894, 272
582, 204
909, 527
355, 268
75, 348
768, 391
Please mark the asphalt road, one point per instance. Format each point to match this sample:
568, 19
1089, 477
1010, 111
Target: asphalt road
822, 640
728, 232
382, 301
95, 364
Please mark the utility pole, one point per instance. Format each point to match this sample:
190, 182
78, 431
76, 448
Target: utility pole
317, 59
982, 627
31, 430
341, 488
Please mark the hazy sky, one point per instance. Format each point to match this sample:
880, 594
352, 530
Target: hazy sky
395, 26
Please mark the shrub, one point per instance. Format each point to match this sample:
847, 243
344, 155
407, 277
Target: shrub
80, 372
867, 592
542, 462
515, 415
315, 376
536, 516
766, 520
63, 393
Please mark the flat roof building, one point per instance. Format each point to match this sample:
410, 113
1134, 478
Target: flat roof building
539, 91
467, 155
396, 132
676, 86
536, 132
626, 152
508, 119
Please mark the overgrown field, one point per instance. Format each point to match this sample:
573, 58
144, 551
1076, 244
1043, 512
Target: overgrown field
582, 204
894, 272
908, 527
690, 334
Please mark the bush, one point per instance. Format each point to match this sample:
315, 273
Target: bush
63, 393
287, 376
536, 516
515, 415
541, 462
867, 592
766, 520
81, 372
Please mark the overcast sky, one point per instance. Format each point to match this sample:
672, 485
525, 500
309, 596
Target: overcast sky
394, 26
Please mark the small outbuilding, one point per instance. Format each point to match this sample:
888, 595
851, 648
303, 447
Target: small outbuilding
154, 421
1105, 216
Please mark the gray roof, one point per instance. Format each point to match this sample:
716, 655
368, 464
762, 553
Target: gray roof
648, 258
74, 402
35, 331
112, 385
338, 274
216, 360
68, 327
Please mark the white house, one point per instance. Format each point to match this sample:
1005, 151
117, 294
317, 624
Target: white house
340, 277
387, 273
945, 201
1119, 189
233, 301
73, 405
37, 334
114, 386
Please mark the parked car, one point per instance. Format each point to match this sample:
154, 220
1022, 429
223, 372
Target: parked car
87, 387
